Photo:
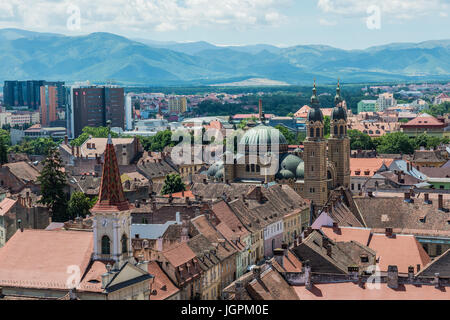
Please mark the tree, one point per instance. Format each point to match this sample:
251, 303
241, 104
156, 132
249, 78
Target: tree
3, 152
53, 182
173, 184
290, 137
79, 205
158, 142
396, 142
360, 140
95, 132
326, 126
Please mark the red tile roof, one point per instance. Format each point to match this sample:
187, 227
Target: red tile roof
367, 165
424, 121
401, 250
6, 205
179, 254
163, 287
351, 291
346, 234
40, 259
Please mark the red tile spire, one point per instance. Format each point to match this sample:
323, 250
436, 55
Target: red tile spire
111, 197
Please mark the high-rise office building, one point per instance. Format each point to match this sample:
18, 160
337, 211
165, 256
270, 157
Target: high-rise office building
49, 103
28, 93
93, 106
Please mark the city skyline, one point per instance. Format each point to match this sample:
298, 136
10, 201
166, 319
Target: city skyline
345, 24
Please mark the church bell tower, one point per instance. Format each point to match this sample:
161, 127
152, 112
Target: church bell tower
339, 142
315, 155
112, 219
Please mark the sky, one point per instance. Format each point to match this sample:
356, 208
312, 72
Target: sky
346, 24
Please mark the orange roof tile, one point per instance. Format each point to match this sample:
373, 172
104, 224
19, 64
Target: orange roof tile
351, 291
40, 259
371, 165
6, 205
179, 254
401, 250
346, 234
163, 286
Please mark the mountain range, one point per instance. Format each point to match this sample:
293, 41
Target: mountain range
102, 57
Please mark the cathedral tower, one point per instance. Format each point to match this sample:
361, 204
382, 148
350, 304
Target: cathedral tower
339, 143
111, 213
314, 155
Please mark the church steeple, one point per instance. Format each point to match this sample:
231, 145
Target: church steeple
111, 196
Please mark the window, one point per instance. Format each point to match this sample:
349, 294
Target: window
318, 132
124, 244
106, 245
311, 132
341, 130
335, 130
247, 168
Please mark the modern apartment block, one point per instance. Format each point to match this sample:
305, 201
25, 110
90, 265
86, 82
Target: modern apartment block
367, 106
93, 106
177, 104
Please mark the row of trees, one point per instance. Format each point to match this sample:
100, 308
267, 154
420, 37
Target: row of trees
396, 142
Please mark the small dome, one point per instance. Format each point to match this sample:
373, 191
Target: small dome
300, 171
338, 114
291, 162
219, 174
285, 174
315, 115
212, 171
262, 135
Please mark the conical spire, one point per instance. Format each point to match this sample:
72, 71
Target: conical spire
314, 99
111, 197
338, 98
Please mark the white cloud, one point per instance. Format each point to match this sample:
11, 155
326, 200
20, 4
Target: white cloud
400, 9
327, 23
142, 15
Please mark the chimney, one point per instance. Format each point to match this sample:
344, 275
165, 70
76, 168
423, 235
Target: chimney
307, 271
182, 193
410, 273
389, 232
329, 250
257, 272
408, 197
427, 199
335, 227
19, 222
66, 140
260, 111
392, 277
441, 202
436, 281
285, 248
239, 290
278, 255
159, 244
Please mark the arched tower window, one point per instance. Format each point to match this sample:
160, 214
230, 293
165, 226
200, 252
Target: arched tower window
106, 245
318, 132
341, 130
124, 244
311, 132
335, 130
